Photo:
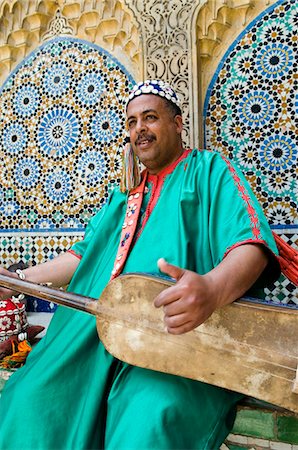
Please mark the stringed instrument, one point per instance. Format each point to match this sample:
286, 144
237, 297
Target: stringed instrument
245, 347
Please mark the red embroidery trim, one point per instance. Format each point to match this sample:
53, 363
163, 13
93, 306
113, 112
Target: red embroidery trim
134, 204
247, 241
74, 253
129, 226
254, 221
157, 185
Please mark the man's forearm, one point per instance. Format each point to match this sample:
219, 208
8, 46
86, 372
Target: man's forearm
237, 272
57, 271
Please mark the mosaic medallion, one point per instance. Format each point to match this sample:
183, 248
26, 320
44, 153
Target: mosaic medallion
251, 117
62, 122
62, 129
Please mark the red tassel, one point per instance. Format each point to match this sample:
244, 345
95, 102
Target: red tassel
288, 259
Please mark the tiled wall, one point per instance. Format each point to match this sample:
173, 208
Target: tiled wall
62, 130
251, 116
263, 429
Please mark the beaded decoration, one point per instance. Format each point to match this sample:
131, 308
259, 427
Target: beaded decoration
155, 87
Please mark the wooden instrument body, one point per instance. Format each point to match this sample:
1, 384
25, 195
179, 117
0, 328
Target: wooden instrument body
245, 347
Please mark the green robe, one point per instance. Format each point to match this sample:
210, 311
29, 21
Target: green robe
72, 394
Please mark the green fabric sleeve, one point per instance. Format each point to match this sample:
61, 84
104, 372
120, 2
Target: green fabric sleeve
236, 218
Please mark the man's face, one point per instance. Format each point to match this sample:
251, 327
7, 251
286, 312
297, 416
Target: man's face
155, 133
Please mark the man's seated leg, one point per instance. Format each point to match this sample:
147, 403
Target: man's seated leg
58, 399
151, 410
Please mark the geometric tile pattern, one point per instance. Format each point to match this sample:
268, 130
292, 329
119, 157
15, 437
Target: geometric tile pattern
283, 292
62, 122
252, 109
250, 115
34, 248
62, 131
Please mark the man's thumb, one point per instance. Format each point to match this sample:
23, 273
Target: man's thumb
169, 269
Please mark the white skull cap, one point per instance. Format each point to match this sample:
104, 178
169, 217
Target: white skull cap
154, 87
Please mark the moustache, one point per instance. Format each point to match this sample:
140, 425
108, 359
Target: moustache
145, 137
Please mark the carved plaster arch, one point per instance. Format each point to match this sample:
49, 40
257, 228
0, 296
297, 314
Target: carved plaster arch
181, 36
179, 41
25, 24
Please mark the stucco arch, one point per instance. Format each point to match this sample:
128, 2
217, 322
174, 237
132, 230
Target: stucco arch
179, 41
110, 24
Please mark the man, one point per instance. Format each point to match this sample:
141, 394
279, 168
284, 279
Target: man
193, 215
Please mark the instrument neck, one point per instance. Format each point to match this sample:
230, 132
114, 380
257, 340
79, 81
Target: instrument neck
44, 292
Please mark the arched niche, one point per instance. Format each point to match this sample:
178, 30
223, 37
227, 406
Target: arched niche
61, 142
250, 115
24, 25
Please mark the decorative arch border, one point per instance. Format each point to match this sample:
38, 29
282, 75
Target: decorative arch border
118, 33
55, 225
207, 48
72, 39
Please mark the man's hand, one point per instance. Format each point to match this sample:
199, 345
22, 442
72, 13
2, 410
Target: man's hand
189, 302
194, 297
7, 293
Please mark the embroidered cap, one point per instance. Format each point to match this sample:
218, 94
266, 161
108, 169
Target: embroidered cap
155, 87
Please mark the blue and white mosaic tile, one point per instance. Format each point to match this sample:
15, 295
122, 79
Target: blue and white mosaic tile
62, 122
250, 115
62, 131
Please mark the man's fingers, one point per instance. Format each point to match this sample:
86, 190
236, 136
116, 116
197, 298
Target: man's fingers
176, 321
171, 270
172, 293
181, 329
167, 296
174, 308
